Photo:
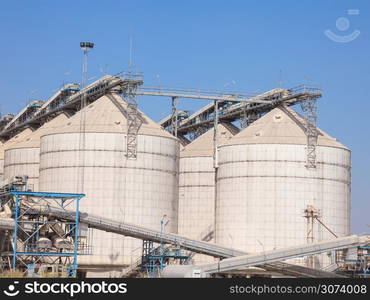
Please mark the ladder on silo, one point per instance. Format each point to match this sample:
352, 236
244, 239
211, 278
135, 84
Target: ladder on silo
134, 121
310, 111
308, 126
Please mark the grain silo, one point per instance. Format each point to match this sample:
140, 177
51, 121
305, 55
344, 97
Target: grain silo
1, 162
197, 187
9, 143
140, 191
265, 191
23, 156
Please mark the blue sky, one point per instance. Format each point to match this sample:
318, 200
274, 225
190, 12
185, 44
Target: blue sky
200, 44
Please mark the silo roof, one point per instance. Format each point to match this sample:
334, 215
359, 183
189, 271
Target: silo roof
203, 145
279, 127
108, 114
13, 140
33, 140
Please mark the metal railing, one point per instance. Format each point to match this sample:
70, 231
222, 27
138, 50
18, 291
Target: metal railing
306, 89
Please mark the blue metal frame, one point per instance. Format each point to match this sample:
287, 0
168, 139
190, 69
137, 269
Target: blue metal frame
74, 254
48, 195
154, 260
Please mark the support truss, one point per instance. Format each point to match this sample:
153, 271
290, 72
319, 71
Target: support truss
174, 116
33, 233
134, 120
198, 132
248, 118
310, 115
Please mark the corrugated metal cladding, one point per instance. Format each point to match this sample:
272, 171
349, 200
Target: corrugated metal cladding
264, 187
197, 188
137, 191
23, 156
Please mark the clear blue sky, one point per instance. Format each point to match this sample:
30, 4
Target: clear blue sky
202, 44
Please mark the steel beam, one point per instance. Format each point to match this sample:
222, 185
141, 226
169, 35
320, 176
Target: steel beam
268, 257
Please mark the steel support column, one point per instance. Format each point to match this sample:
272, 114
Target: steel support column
310, 114
134, 120
174, 115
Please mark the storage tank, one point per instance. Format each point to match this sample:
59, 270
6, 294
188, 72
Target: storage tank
197, 187
264, 187
1, 163
23, 156
43, 243
139, 191
7, 144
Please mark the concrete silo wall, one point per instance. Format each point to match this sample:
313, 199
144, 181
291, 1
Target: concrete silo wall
264, 188
139, 191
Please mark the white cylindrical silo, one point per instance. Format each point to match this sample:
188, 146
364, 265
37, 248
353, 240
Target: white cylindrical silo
1, 162
197, 187
23, 156
264, 186
142, 191
8, 144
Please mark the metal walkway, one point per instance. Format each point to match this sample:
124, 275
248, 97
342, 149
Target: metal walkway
67, 100
243, 262
231, 107
24, 115
140, 232
230, 112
